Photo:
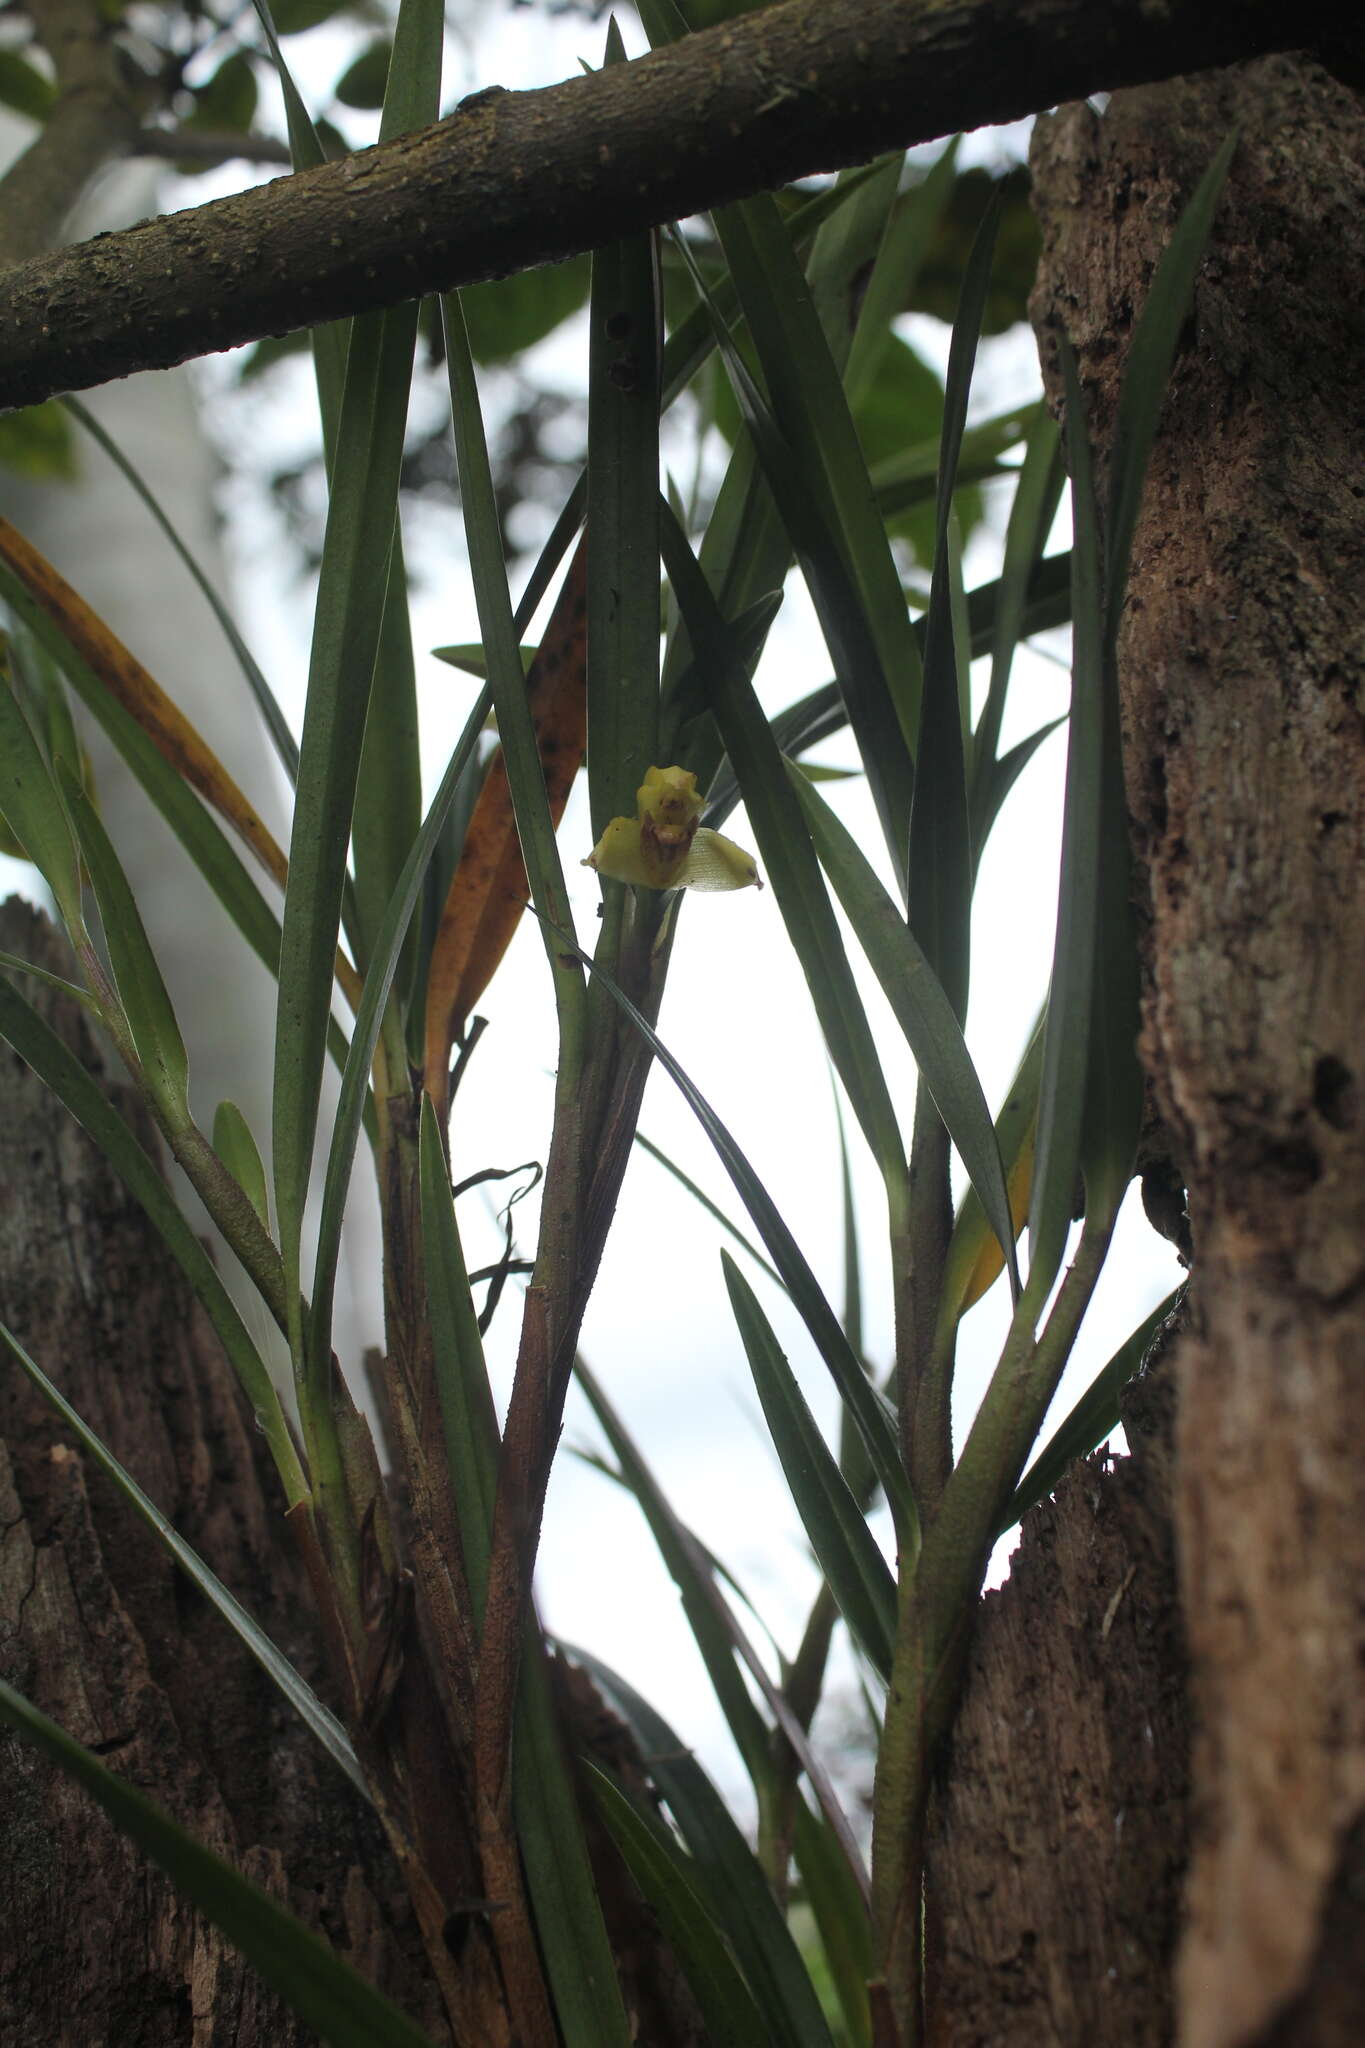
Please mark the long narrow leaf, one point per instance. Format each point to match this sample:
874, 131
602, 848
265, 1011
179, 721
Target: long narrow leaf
57, 1066
790, 862
691, 1574
305, 147
693, 339
1094, 1416
32, 808
862, 1400
467, 1414
720, 1639
712, 1209
1062, 1094
285, 745
656, 1863
822, 712
878, 718
727, 1872
559, 1873
501, 641
921, 1006
300, 1695
812, 412
1005, 774
623, 518
909, 233
350, 604
388, 945
857, 1572
208, 847
975, 1258
941, 860
326, 1993
236, 1146
842, 1917
1032, 511
145, 997
388, 806
65, 624
1147, 372
549, 1826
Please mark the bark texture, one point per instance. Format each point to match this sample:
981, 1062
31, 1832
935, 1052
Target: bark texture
1057, 1836
99, 1629
1241, 668
513, 179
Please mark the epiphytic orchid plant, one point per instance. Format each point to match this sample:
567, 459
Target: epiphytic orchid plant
406, 917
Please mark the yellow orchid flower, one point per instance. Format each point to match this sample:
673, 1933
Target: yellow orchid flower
664, 847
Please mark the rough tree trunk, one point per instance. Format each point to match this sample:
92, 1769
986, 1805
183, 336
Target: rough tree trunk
100, 1630
1061, 1821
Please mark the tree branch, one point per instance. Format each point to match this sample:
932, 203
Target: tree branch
511, 180
92, 121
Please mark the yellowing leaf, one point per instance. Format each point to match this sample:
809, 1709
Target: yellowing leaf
487, 893
991, 1260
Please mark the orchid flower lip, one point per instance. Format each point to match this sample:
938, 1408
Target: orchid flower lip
664, 846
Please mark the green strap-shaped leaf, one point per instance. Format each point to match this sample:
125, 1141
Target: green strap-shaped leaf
693, 339
1094, 1416
796, 479
237, 1148
921, 1007
1005, 774
858, 1574
691, 1573
559, 1874
1032, 512
300, 1695
549, 1826
467, 1414
142, 991
941, 861
840, 1914
326, 1992
786, 854
726, 1871
660, 1870
821, 712
721, 1641
286, 746
350, 602
388, 806
207, 845
623, 518
305, 147
972, 1233
1147, 372
865, 1404
909, 230
501, 641
32, 808
57, 1066
388, 945
1065, 1048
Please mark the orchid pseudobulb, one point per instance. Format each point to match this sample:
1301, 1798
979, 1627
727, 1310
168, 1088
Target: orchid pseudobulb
664, 847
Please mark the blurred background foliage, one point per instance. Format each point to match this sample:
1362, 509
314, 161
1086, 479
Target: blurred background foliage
208, 96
